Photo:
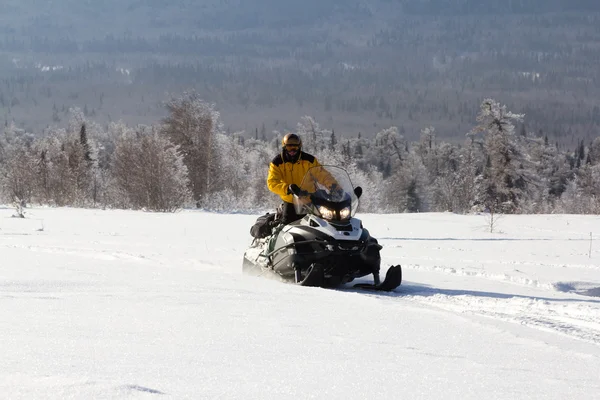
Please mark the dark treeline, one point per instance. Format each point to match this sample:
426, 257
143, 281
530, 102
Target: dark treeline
189, 160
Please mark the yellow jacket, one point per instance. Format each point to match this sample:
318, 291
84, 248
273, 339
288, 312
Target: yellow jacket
283, 173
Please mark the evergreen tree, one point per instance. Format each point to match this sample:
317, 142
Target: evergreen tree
84, 143
503, 182
333, 141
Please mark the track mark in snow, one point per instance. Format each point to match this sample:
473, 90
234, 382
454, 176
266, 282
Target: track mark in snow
483, 274
139, 388
99, 254
575, 318
582, 288
33, 288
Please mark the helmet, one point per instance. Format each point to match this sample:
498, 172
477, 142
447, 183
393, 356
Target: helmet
291, 145
291, 139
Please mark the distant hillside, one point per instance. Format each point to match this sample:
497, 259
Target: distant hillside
356, 66
84, 19
489, 7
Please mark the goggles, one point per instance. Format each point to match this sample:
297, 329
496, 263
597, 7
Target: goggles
292, 146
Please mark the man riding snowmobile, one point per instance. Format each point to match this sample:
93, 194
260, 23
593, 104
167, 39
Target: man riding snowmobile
286, 171
327, 246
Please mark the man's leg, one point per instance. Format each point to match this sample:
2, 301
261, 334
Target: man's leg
289, 213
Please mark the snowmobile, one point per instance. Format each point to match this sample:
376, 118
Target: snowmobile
328, 247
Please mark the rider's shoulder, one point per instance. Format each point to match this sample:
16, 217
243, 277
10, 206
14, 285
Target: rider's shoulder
308, 157
277, 160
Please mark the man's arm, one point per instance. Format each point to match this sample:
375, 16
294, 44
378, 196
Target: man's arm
275, 181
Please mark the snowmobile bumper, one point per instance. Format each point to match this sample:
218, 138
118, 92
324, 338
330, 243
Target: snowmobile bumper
350, 259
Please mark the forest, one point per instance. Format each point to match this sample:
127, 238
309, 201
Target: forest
357, 67
189, 160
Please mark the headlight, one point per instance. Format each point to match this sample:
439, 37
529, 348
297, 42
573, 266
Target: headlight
345, 213
325, 212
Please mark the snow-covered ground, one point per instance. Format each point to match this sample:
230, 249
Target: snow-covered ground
121, 304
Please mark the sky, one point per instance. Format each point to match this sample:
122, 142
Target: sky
108, 304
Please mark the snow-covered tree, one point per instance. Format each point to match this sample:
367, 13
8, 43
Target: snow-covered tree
192, 125
582, 194
594, 152
503, 182
119, 166
17, 165
258, 156
389, 143
447, 184
149, 171
66, 174
314, 140
552, 171
67, 162
232, 190
427, 151
372, 183
407, 189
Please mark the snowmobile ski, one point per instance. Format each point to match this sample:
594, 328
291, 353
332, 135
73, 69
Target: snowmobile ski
393, 279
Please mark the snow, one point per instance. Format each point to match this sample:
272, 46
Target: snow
122, 304
47, 68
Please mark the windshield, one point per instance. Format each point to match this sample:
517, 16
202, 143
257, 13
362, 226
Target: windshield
327, 193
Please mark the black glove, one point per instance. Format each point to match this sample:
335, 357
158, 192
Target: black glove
293, 189
335, 190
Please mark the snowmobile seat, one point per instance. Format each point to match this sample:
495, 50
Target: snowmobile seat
263, 226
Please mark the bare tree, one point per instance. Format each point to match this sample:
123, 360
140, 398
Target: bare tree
192, 125
311, 134
17, 165
150, 172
